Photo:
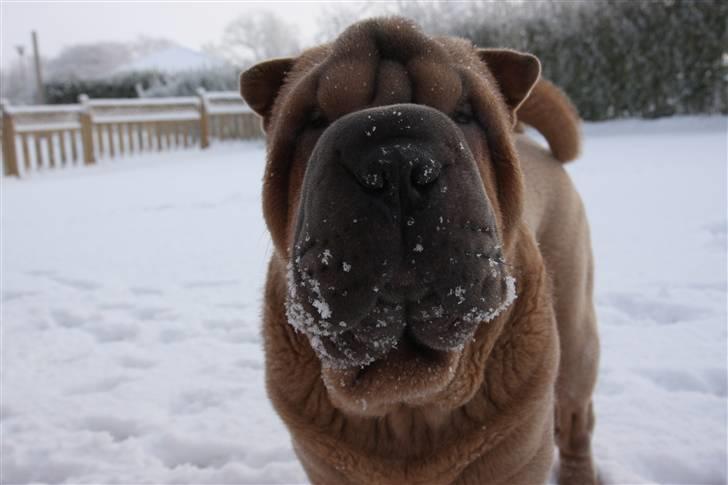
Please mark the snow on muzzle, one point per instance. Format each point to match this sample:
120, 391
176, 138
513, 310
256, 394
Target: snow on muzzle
395, 239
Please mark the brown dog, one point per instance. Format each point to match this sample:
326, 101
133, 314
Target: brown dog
429, 263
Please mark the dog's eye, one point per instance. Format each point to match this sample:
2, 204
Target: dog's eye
316, 120
463, 114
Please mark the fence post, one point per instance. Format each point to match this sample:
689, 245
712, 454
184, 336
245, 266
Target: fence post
10, 158
204, 119
87, 132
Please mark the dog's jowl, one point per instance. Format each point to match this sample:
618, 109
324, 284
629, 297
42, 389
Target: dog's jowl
428, 309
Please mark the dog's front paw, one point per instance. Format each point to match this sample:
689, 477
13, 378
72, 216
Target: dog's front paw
578, 470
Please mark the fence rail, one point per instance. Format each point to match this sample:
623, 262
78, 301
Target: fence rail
46, 137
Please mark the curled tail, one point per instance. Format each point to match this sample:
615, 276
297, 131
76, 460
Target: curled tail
549, 111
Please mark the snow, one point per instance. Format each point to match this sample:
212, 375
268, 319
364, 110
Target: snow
229, 110
180, 115
172, 59
131, 301
44, 109
39, 127
186, 101
223, 96
486, 316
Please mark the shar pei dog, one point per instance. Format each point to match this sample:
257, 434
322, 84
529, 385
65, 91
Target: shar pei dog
428, 312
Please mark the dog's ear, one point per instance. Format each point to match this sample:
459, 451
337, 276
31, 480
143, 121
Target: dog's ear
515, 72
260, 84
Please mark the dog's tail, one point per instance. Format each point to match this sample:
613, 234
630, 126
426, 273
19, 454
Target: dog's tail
550, 111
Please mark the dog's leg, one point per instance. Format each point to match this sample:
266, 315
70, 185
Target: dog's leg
573, 436
575, 384
572, 279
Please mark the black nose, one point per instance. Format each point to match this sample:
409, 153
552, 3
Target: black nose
399, 165
393, 157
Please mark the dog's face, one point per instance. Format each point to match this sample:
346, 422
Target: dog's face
391, 188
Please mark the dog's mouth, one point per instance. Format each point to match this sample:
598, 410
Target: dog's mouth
409, 374
407, 340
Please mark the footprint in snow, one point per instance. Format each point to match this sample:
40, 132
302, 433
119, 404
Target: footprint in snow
103, 331
248, 363
76, 284
199, 400
68, 319
143, 291
41, 272
707, 381
153, 313
172, 335
225, 325
158, 208
104, 385
210, 284
73, 283
26, 470
106, 332
175, 451
232, 306
118, 428
662, 312
121, 305
16, 295
134, 362
6, 412
717, 233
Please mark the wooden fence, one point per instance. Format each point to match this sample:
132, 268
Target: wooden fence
38, 138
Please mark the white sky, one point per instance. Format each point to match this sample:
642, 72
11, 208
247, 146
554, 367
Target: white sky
193, 24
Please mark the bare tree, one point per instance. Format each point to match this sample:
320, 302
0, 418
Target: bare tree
15, 81
99, 59
87, 61
335, 18
258, 36
146, 45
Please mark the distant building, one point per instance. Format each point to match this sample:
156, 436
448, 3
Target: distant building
171, 60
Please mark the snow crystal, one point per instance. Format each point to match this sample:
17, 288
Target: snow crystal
346, 267
323, 308
296, 314
418, 248
460, 294
477, 315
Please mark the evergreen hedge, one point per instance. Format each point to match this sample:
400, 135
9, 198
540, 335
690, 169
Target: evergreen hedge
618, 58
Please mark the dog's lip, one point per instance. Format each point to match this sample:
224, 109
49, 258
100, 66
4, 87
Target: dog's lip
413, 370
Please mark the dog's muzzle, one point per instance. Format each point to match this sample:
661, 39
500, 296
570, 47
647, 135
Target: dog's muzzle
395, 239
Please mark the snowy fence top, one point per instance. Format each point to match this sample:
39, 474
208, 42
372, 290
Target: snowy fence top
43, 109
223, 96
144, 102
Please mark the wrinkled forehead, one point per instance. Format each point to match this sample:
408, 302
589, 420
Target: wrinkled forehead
387, 61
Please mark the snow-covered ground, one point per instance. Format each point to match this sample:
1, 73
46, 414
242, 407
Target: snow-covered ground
131, 298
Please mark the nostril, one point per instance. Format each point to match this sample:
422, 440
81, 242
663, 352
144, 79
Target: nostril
372, 181
426, 172
371, 175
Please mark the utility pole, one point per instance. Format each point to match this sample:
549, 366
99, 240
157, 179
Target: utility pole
40, 92
23, 74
